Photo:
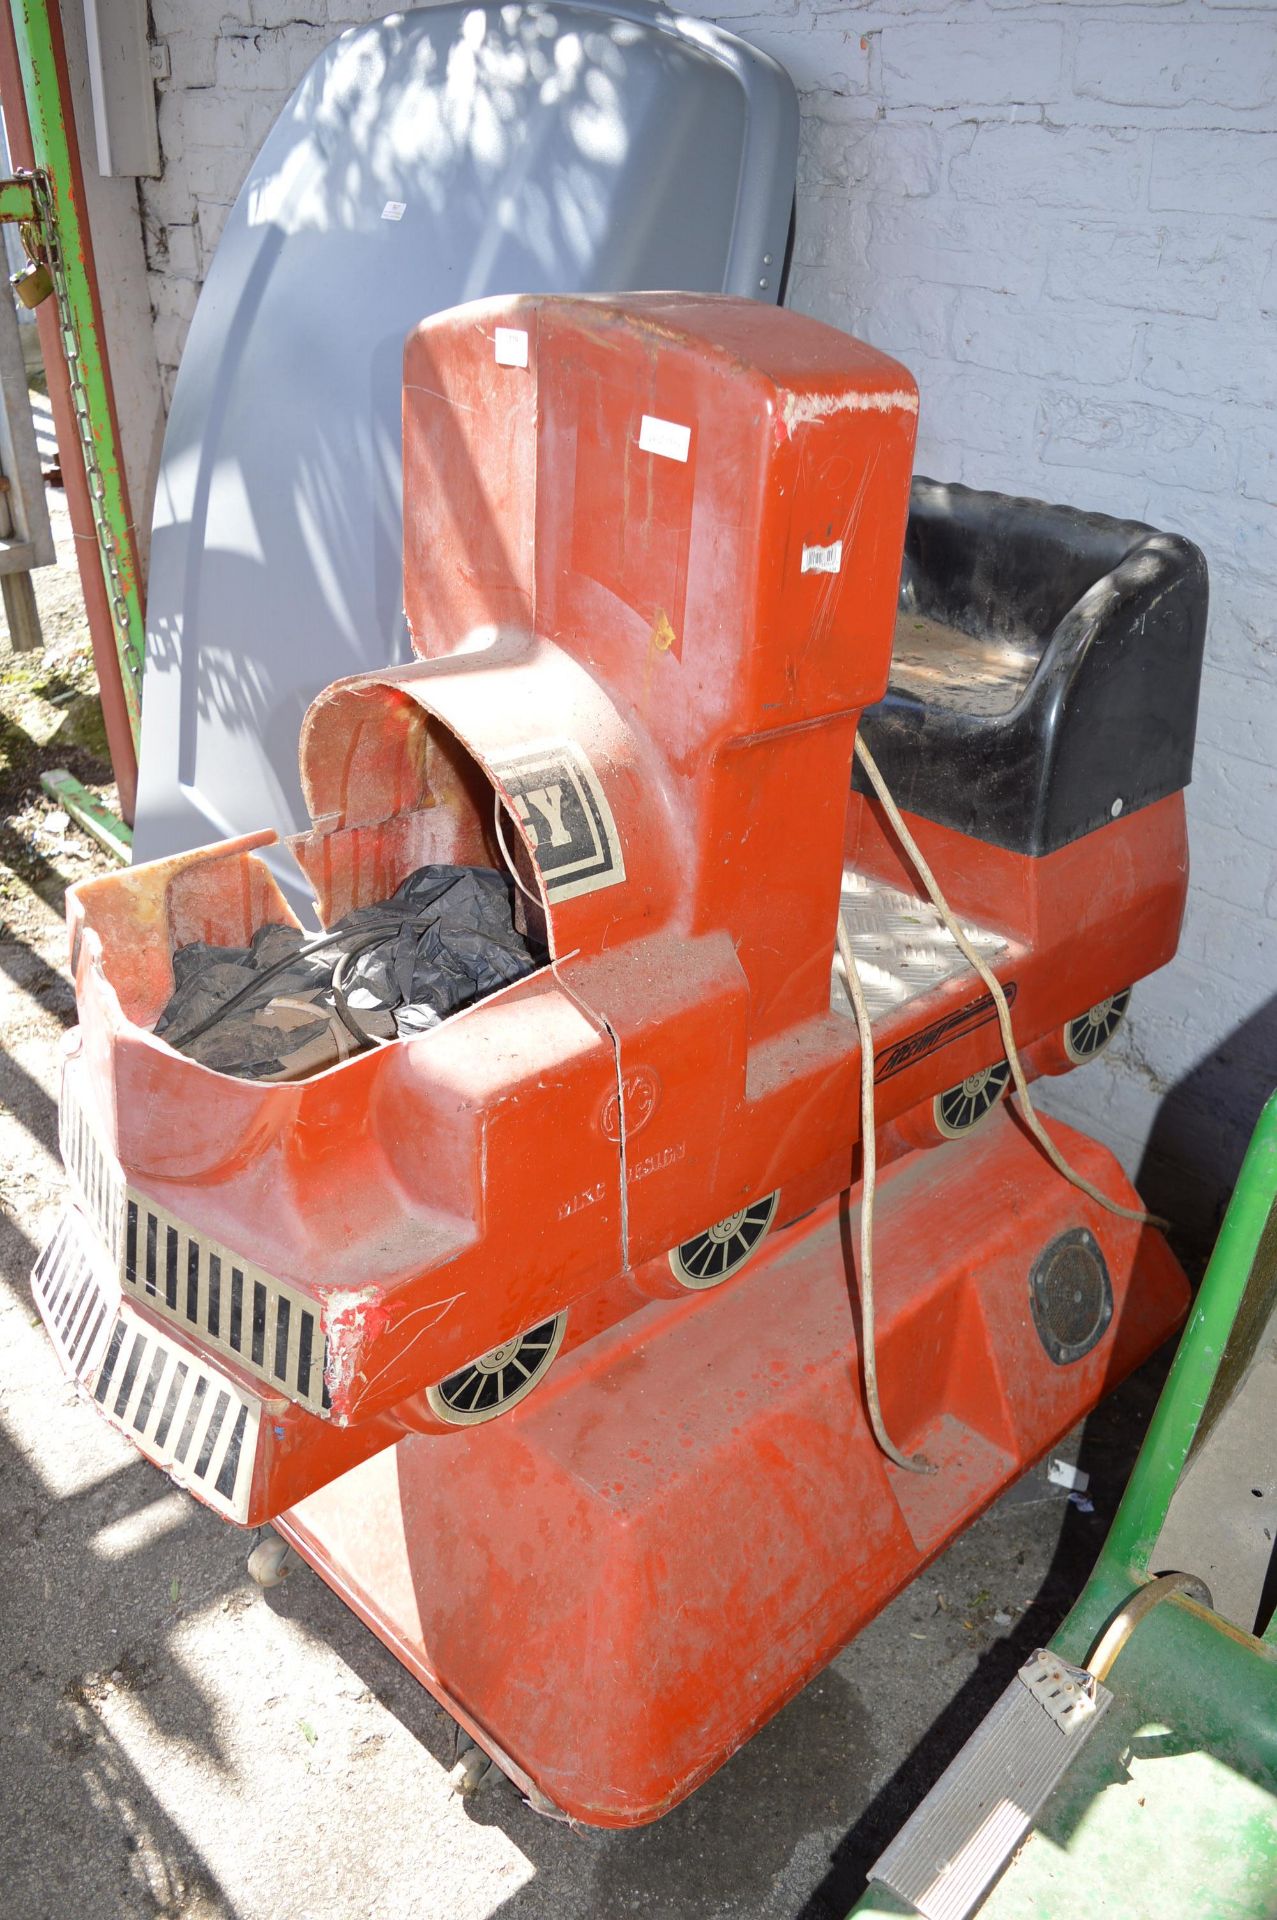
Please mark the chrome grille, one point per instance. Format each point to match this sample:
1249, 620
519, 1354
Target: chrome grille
182, 1414
95, 1173
71, 1298
225, 1300
269, 1327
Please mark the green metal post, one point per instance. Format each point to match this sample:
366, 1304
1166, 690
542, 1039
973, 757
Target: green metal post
18, 201
1123, 1563
88, 812
62, 230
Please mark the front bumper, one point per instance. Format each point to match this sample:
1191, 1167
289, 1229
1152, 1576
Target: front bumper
212, 1367
217, 1297
188, 1418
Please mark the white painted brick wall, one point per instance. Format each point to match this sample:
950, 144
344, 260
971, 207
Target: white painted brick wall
1062, 214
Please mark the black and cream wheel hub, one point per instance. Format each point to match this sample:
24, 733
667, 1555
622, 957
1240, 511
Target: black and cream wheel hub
498, 1379
964, 1106
718, 1252
1091, 1032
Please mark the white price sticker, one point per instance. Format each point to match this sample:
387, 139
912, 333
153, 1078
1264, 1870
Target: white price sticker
823, 559
394, 210
665, 437
512, 347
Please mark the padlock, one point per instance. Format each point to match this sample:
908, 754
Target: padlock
32, 283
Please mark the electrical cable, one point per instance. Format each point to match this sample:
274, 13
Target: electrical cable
868, 1123
1099, 1662
341, 1001
253, 985
354, 942
991, 981
505, 855
868, 1182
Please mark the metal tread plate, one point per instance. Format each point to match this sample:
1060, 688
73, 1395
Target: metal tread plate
902, 947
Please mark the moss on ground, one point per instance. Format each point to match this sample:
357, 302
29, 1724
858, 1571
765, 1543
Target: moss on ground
50, 716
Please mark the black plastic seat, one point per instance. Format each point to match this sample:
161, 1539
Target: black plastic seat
1046, 667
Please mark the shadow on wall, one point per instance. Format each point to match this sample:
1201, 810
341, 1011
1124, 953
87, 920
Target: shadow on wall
1202, 1129
424, 161
314, 501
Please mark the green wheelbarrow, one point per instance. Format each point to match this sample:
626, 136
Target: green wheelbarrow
1129, 1772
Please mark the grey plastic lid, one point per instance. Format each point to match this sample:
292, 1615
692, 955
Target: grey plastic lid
429, 159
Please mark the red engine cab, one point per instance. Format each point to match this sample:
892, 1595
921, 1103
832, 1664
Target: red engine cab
546, 1349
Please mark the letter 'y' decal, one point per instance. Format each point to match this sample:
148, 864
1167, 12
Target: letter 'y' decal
548, 802
564, 811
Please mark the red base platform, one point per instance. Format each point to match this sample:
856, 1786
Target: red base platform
613, 1586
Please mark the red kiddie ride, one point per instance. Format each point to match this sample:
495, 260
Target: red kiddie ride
537, 1333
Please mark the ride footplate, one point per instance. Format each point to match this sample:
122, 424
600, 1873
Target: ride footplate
948, 1854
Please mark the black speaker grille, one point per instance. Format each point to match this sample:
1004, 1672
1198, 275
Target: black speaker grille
1071, 1295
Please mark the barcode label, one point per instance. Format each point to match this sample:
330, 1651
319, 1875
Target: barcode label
823, 559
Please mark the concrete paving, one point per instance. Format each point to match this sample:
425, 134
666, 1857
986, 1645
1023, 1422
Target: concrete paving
175, 1742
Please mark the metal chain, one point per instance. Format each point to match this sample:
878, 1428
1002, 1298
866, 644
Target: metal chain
84, 427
